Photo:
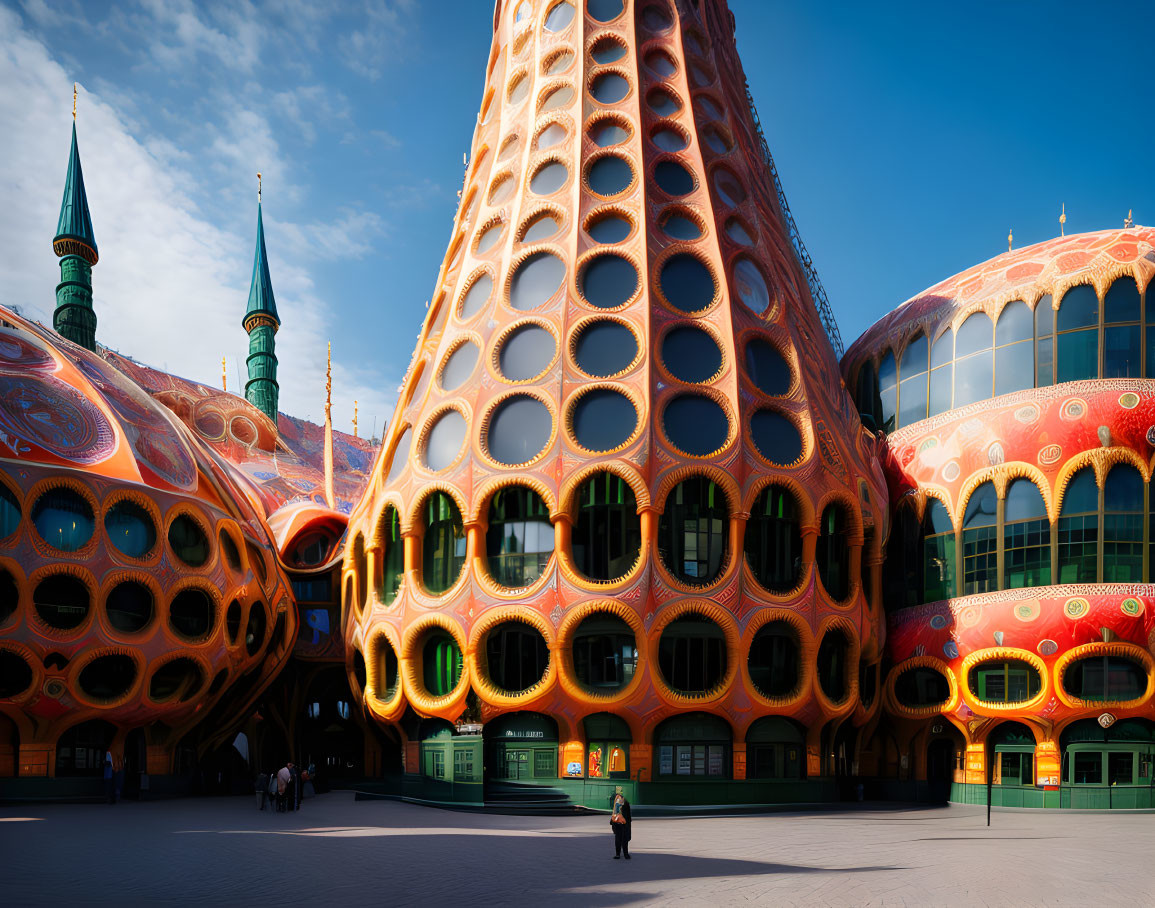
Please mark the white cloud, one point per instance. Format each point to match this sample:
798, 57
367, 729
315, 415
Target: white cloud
170, 287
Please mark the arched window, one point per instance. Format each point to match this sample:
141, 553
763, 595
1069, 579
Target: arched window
773, 659
1078, 529
888, 391
607, 533
519, 541
869, 403
832, 656
980, 541
938, 553
441, 663
1077, 333
605, 654
973, 362
942, 373
693, 531
1123, 526
1121, 330
692, 654
443, 548
902, 569
773, 541
833, 553
774, 749
1014, 754
1014, 349
1114, 678
1044, 342
1026, 537
516, 656
393, 556
912, 390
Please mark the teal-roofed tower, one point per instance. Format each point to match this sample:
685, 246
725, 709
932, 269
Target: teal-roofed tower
261, 322
75, 243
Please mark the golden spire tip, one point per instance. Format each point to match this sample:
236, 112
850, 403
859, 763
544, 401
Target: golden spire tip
1129, 221
1010, 238
258, 187
1063, 221
73, 102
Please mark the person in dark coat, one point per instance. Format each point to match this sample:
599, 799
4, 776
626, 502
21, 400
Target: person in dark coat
622, 823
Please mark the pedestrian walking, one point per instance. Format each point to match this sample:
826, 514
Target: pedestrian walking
109, 782
284, 779
621, 822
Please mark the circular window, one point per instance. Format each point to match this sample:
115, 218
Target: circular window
61, 601
687, 283
607, 535
663, 103
766, 368
774, 660
516, 656
656, 19
559, 17
229, 548
557, 62
539, 229
673, 179
191, 614
609, 131
695, 425
255, 628
603, 419
64, 519
232, 622
692, 655
15, 674
605, 653
130, 529
400, 455
716, 140
609, 175
559, 97
129, 607
693, 531
178, 679
519, 429
775, 437
9, 595
107, 677
459, 366
604, 348
608, 281
691, 354
443, 544
1004, 681
737, 231
536, 280
501, 189
609, 88
444, 441
9, 512
526, 352
552, 135
604, 10
666, 138
922, 686
492, 234
661, 63
607, 49
678, 225
608, 228
549, 178
476, 296
773, 540
728, 188
519, 540
750, 286
188, 541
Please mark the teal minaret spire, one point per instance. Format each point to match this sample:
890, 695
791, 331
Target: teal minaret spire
75, 243
261, 322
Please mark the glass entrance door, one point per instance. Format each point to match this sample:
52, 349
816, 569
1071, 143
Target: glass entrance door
516, 764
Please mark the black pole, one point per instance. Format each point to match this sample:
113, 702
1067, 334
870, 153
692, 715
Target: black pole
989, 791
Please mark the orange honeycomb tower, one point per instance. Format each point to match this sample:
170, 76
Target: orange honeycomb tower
624, 486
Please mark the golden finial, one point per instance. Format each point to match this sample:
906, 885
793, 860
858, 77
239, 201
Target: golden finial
329, 381
258, 188
1129, 221
73, 102
1063, 221
354, 419
224, 376
1010, 238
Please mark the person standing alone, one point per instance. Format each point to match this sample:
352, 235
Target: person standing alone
621, 822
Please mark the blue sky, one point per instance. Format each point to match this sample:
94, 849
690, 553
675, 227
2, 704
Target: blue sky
909, 138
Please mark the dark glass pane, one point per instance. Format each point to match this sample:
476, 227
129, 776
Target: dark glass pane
607, 533
917, 687
610, 175
519, 539
687, 283
1105, 678
61, 601
692, 655
191, 614
942, 352
973, 335
232, 553
445, 440
766, 368
441, 664
914, 358
605, 348
526, 352
608, 281
941, 381
255, 629
609, 132
728, 187
549, 178
188, 541
973, 378
1024, 502
668, 139
1123, 526
833, 553
656, 19
609, 88
1079, 308
938, 553
832, 657
15, 674
1016, 323
129, 606
1045, 362
516, 656
1121, 352
605, 653
690, 354
660, 62
609, 228
888, 400
443, 545
716, 140
775, 437
476, 296
180, 679
1078, 530
459, 366
9, 512
912, 399
1150, 343
518, 430
542, 228
693, 531
603, 419
1078, 355
1044, 316
679, 226
774, 659
1121, 304
773, 541
887, 372
393, 558
131, 530
695, 425
109, 677
1082, 494
1014, 368
663, 103
400, 455
673, 179
536, 280
982, 507
750, 287
607, 50
1123, 490
1012, 681
64, 519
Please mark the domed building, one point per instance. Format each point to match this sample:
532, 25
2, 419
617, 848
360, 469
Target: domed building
625, 527
1019, 414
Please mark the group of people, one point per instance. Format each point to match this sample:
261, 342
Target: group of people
283, 789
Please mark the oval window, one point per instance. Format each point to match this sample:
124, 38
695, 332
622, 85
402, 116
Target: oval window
519, 539
922, 686
1004, 681
188, 541
608, 281
536, 280
445, 441
604, 348
775, 437
459, 366
519, 430
130, 529
691, 354
687, 283
603, 420
526, 353
64, 519
695, 425
693, 531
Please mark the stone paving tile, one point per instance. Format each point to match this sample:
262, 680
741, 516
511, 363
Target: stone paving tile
341, 851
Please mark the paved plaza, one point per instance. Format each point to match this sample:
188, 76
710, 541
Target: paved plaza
341, 851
